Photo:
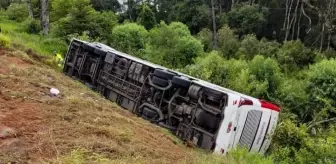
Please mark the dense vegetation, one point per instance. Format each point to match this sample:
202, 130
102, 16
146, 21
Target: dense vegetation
282, 51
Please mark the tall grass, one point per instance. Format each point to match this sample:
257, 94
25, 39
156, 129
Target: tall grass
43, 45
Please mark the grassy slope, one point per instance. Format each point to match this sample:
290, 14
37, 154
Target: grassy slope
40, 44
79, 126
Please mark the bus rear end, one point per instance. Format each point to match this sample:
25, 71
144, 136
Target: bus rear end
253, 125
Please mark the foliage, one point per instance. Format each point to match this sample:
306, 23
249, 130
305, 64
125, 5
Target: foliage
210, 68
228, 43
3, 14
103, 25
172, 45
193, 13
236, 156
146, 17
321, 88
129, 38
4, 4
268, 48
31, 26
249, 47
288, 139
247, 19
205, 36
261, 79
83, 17
293, 56
17, 11
106, 5
246, 157
80, 19
4, 41
293, 97
61, 8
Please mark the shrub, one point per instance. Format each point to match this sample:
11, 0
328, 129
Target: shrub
228, 43
17, 11
216, 69
249, 47
247, 19
172, 45
205, 36
293, 55
262, 78
4, 41
32, 26
321, 89
210, 67
129, 38
146, 17
104, 23
61, 8
3, 14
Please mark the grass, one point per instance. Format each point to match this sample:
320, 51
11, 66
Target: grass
43, 45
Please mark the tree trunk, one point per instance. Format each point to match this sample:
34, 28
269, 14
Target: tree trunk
299, 26
322, 38
288, 23
220, 6
232, 4
293, 22
44, 16
329, 40
214, 33
30, 9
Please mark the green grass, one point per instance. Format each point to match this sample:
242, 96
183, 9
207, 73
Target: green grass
43, 45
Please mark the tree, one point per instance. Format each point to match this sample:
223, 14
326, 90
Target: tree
326, 11
146, 17
17, 12
205, 36
293, 55
195, 14
106, 5
214, 28
249, 47
83, 18
5, 3
130, 38
321, 90
209, 67
262, 78
172, 45
45, 16
247, 19
61, 8
228, 42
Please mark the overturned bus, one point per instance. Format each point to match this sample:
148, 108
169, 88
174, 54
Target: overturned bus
199, 112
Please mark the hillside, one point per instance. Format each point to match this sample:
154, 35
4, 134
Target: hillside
78, 121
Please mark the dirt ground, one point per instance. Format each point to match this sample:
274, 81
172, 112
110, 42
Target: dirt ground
46, 129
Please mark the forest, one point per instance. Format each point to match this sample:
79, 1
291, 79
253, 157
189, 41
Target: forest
278, 50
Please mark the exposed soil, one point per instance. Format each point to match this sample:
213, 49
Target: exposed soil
47, 128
